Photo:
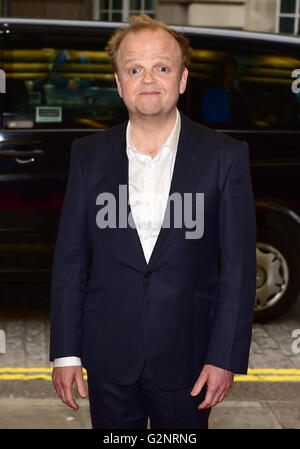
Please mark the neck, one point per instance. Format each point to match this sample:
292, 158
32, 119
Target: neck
149, 134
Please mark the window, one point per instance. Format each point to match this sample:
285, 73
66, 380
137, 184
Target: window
243, 89
55, 81
119, 10
288, 16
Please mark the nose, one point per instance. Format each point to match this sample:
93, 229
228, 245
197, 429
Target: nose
148, 76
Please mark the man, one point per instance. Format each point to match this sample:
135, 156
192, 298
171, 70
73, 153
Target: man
158, 327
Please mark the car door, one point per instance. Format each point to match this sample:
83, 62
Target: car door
246, 87
59, 86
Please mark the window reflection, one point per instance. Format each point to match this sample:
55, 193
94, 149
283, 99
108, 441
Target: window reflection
61, 88
240, 91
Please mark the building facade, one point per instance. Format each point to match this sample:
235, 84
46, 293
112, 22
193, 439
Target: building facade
256, 15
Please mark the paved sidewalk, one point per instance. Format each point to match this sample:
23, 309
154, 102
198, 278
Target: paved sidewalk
48, 414
259, 406
259, 403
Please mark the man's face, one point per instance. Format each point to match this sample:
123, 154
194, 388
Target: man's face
149, 75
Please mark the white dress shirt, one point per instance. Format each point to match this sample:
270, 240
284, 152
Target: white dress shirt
149, 181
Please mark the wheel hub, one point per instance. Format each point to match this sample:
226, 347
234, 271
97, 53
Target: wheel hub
272, 276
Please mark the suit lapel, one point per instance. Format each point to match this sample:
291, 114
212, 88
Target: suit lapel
188, 165
128, 234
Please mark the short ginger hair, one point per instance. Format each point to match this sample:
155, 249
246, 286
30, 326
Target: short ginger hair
144, 22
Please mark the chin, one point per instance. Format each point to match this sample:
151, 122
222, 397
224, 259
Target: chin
149, 111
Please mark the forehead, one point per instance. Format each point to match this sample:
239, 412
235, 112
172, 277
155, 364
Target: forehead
149, 43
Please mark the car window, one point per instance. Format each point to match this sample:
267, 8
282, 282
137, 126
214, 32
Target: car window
244, 89
55, 81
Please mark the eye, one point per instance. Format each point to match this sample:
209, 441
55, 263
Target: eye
133, 71
163, 68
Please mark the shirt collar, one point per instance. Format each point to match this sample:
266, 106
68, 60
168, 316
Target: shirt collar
171, 142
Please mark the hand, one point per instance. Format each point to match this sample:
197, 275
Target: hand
63, 378
219, 382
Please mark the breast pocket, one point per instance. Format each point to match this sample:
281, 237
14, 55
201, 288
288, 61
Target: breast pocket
94, 299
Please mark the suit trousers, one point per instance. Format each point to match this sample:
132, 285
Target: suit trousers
114, 406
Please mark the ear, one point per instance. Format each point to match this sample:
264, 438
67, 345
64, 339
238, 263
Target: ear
118, 84
183, 81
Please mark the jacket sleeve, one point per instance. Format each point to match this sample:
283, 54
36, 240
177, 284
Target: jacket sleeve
231, 330
69, 270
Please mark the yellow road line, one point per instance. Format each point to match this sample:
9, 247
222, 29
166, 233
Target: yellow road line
273, 378
20, 369
237, 378
27, 377
37, 369
274, 370
49, 369
254, 374
24, 377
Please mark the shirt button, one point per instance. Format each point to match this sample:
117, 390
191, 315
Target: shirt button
148, 274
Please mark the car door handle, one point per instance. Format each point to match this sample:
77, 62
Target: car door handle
17, 154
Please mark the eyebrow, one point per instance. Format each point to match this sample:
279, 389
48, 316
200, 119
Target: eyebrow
127, 60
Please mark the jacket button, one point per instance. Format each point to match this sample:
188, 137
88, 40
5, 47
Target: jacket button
148, 274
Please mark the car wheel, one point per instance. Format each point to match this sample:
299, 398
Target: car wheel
277, 279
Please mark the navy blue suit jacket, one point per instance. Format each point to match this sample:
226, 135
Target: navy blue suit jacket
193, 302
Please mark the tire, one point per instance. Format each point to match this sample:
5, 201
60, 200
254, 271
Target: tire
277, 281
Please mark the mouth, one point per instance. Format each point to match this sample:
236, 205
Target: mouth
150, 93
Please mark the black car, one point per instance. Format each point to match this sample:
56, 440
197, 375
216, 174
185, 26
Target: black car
59, 85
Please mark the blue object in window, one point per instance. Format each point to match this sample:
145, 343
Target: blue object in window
216, 106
